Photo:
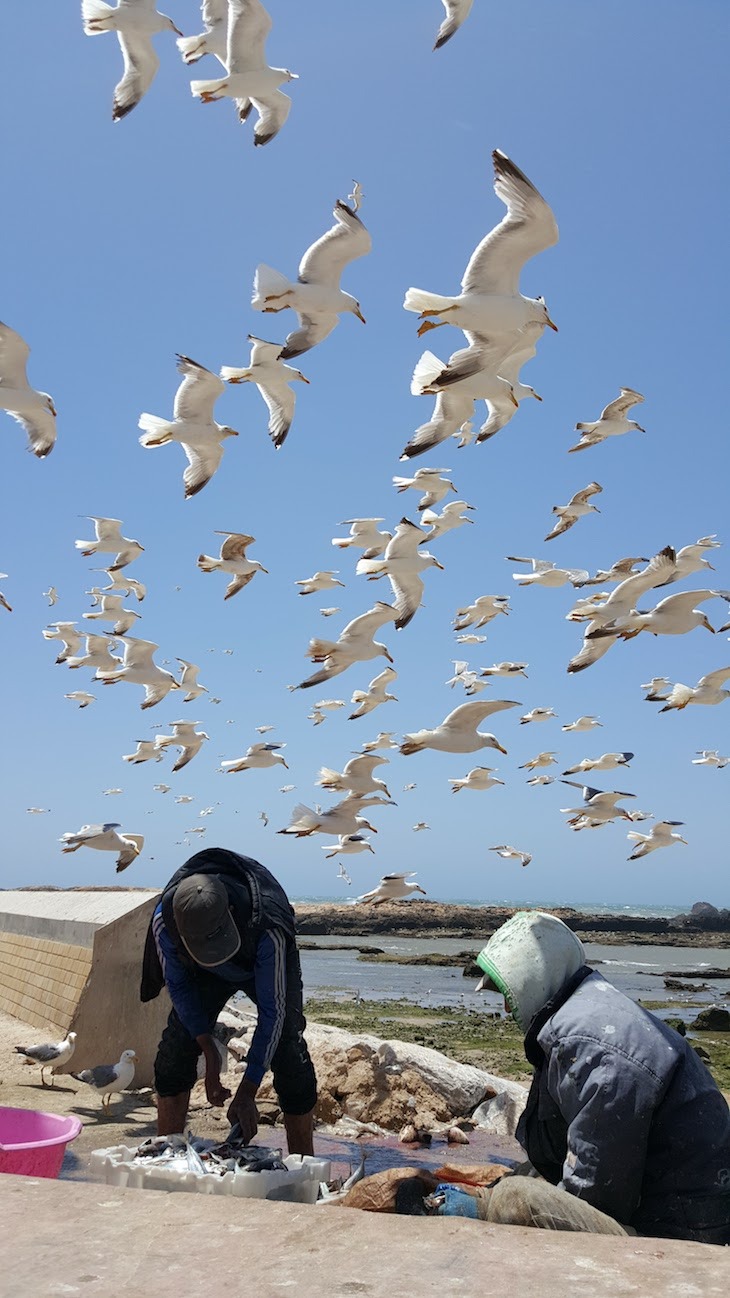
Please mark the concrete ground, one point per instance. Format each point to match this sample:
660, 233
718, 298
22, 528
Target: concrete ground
95, 1240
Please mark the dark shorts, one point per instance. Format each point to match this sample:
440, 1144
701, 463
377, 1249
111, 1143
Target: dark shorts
295, 1082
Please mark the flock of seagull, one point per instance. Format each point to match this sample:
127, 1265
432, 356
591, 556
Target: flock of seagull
502, 329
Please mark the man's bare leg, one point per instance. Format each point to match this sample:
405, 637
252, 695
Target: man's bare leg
172, 1111
299, 1132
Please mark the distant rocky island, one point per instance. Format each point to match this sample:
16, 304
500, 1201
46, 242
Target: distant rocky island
703, 925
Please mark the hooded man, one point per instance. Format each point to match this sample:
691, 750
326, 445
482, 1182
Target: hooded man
224, 924
623, 1121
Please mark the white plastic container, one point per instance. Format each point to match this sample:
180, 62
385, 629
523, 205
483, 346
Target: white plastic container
299, 1183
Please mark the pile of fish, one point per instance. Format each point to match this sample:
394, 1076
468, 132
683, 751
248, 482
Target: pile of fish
191, 1154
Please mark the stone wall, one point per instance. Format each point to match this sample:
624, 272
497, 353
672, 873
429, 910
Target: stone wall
41, 981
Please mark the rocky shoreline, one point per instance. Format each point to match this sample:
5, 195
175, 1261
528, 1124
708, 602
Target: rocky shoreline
703, 926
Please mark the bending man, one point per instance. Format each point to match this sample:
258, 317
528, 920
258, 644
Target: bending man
224, 924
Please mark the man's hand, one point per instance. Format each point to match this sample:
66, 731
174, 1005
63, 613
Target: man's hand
215, 1091
242, 1110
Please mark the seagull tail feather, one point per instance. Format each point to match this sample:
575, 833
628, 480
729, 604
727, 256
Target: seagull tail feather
156, 431
419, 300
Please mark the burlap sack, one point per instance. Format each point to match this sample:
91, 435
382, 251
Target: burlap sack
377, 1193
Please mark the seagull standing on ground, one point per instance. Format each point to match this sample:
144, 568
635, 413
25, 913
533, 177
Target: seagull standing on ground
192, 425
233, 560
250, 80
316, 296
110, 1079
612, 421
273, 379
50, 1055
105, 838
135, 23
34, 410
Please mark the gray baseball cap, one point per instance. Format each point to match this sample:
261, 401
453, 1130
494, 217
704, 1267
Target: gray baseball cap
203, 916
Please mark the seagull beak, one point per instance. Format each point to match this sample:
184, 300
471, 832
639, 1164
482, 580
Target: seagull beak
501, 749
52, 408
536, 396
551, 324
436, 563
284, 763
708, 626
177, 29
389, 657
301, 376
683, 840
360, 315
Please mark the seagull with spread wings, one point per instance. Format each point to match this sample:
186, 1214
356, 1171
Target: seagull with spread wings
106, 838
577, 507
192, 425
250, 80
612, 421
355, 644
233, 560
402, 564
661, 836
490, 305
375, 694
707, 690
458, 731
316, 295
467, 382
139, 668
135, 23
109, 540
213, 40
34, 410
457, 12
393, 887
273, 379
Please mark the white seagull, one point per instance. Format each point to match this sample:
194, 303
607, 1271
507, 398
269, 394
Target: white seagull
430, 482
118, 582
8, 606
661, 836
537, 714
65, 632
138, 668
34, 410
607, 762
213, 40
691, 558
383, 740
357, 777
577, 507
541, 779
598, 807
450, 517
707, 690
710, 757
545, 573
505, 669
233, 560
189, 680
512, 854
364, 535
375, 694
582, 724
257, 757
456, 387
81, 697
110, 609
273, 379
457, 11
185, 737
50, 1055
250, 80
343, 818
402, 563
105, 838
316, 296
355, 644
110, 1079
348, 845
392, 887
542, 759
325, 580
51, 595
109, 540
675, 615
192, 425
618, 571
490, 304
612, 421
458, 731
98, 656
162, 788
482, 611
135, 23
479, 778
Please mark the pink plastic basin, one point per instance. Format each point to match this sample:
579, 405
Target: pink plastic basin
34, 1143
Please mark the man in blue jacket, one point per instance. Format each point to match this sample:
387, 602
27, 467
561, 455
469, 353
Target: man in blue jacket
224, 924
623, 1121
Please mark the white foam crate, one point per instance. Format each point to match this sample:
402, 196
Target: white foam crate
298, 1184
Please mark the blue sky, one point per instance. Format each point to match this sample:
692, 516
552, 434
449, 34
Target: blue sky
131, 242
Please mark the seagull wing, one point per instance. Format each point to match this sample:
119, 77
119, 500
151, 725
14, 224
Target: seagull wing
365, 626
100, 1076
280, 399
235, 545
138, 653
408, 593
715, 679
528, 228
248, 27
312, 330
14, 353
685, 602
198, 392
40, 425
621, 406
628, 592
273, 112
457, 11
469, 715
204, 458
583, 496
404, 542
347, 240
140, 68
523, 352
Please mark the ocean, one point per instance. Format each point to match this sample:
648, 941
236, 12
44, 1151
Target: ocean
658, 910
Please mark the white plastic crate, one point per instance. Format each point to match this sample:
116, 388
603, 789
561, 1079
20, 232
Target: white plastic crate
298, 1184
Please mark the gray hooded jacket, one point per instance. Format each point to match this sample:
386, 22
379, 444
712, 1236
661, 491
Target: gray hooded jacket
621, 1112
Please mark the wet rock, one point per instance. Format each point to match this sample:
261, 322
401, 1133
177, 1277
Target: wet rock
679, 1026
500, 1114
676, 985
713, 1019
